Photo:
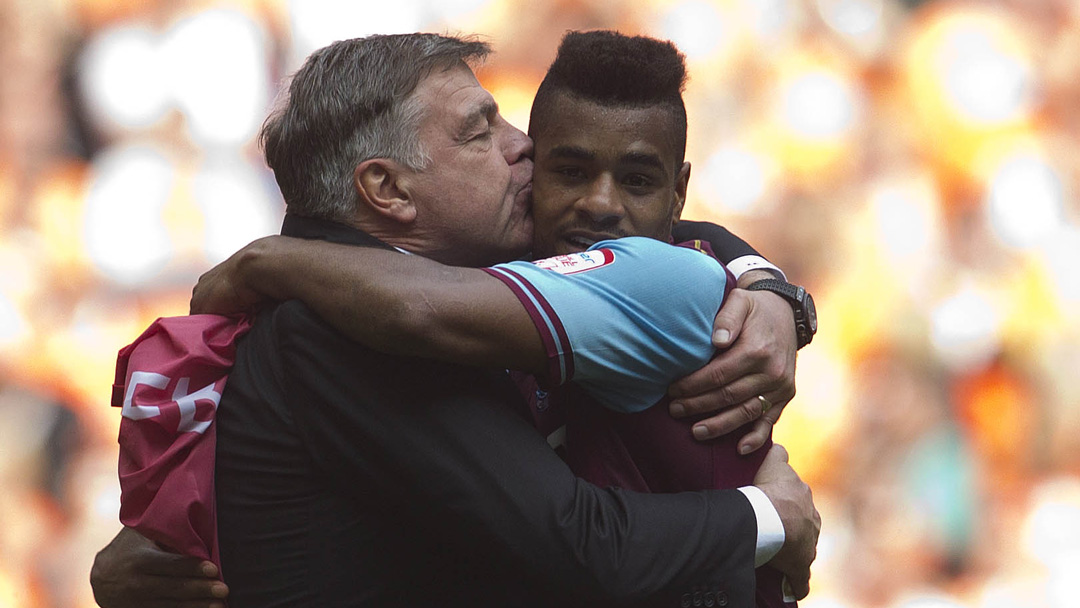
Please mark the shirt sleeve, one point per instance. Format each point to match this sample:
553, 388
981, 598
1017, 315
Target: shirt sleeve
623, 319
770, 528
734, 252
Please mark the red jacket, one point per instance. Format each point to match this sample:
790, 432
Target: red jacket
169, 382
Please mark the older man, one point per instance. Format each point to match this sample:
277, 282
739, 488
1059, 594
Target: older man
346, 477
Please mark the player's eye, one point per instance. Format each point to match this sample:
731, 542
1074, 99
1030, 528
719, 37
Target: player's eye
570, 172
637, 180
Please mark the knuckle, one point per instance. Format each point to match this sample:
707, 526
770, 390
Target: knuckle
724, 395
756, 437
724, 318
717, 377
759, 351
777, 370
750, 411
692, 405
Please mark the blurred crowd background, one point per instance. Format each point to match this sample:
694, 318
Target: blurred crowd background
914, 163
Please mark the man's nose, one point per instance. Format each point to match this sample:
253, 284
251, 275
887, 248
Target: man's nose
517, 144
600, 202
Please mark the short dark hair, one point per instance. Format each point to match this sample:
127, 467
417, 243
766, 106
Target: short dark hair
613, 69
350, 102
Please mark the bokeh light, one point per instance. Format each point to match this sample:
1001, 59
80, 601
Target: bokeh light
234, 201
126, 237
698, 28
970, 80
908, 222
737, 179
818, 104
1026, 200
216, 62
18, 285
985, 75
1062, 258
855, 18
816, 108
122, 79
316, 23
966, 328
1052, 528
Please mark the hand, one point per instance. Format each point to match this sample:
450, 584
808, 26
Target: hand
221, 289
795, 504
132, 571
755, 332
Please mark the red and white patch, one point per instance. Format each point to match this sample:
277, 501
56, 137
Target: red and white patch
578, 262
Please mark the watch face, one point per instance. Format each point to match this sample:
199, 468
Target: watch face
811, 313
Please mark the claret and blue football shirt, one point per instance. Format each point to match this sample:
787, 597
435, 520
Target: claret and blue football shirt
625, 318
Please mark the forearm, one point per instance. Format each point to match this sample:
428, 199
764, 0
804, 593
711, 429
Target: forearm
398, 303
726, 245
738, 255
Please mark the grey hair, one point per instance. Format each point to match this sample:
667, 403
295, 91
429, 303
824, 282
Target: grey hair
350, 102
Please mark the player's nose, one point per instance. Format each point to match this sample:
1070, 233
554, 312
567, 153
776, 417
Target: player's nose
600, 202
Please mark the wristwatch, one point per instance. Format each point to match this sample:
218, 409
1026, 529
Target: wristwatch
801, 302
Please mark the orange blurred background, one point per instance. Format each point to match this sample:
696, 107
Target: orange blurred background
914, 164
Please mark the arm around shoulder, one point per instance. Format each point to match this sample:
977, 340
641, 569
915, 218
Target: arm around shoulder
384, 299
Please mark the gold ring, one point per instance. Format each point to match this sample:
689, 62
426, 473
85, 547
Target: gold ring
766, 405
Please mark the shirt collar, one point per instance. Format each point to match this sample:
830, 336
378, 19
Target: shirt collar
327, 230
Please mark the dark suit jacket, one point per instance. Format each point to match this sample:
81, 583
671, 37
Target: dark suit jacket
347, 477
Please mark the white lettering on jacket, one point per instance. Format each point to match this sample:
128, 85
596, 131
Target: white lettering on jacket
182, 399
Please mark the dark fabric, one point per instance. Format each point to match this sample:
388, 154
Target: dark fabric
725, 245
650, 451
347, 477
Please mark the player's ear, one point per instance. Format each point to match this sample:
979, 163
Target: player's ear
681, 181
379, 184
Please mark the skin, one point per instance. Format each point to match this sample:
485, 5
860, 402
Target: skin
604, 173
471, 204
599, 194
607, 172
134, 571
601, 172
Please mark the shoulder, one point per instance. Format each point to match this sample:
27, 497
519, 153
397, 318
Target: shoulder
293, 316
291, 336
652, 251
662, 263
308, 343
298, 331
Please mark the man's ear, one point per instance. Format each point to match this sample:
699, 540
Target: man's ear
681, 181
378, 183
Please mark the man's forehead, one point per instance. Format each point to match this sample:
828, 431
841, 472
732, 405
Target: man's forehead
588, 130
455, 82
453, 101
